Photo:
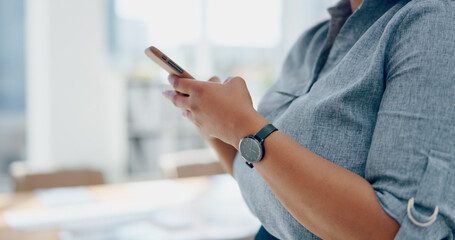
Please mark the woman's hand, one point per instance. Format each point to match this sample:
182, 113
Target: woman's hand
221, 110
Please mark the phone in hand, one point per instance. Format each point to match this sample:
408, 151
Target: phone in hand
166, 63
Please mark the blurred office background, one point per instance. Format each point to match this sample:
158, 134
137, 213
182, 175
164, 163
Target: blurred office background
76, 90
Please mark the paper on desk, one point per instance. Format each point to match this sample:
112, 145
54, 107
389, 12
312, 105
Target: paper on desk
64, 196
86, 210
201, 219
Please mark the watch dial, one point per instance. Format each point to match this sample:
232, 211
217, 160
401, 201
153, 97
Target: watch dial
251, 149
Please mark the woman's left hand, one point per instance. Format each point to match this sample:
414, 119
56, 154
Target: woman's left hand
221, 110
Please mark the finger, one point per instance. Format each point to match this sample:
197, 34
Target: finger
187, 114
235, 81
183, 85
215, 79
178, 99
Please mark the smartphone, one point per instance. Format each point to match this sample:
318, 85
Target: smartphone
166, 63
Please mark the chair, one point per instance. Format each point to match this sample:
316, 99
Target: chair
191, 163
26, 180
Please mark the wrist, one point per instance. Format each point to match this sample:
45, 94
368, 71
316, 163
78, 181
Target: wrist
247, 126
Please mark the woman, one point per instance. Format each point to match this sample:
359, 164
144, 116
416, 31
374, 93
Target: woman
364, 109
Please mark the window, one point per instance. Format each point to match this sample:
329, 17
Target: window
12, 87
206, 37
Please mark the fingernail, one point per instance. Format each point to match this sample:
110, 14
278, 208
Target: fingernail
228, 79
171, 79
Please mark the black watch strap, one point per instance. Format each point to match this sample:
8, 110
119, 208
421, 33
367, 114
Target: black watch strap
265, 131
261, 135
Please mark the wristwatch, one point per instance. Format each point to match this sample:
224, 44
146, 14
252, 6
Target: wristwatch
252, 147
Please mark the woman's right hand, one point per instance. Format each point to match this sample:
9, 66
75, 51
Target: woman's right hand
226, 153
209, 138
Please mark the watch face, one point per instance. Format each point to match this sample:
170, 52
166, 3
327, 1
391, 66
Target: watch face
251, 149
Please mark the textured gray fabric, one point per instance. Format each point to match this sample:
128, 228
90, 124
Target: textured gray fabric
379, 100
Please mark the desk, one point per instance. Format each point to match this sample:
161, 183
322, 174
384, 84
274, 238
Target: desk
191, 208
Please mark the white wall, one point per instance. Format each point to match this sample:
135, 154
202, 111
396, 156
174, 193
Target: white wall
75, 104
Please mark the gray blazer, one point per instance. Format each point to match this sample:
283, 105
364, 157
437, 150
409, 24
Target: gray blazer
374, 92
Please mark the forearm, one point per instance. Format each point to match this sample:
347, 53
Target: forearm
226, 153
329, 200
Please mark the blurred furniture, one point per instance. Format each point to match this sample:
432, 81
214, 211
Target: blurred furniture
26, 180
186, 208
191, 163
155, 127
